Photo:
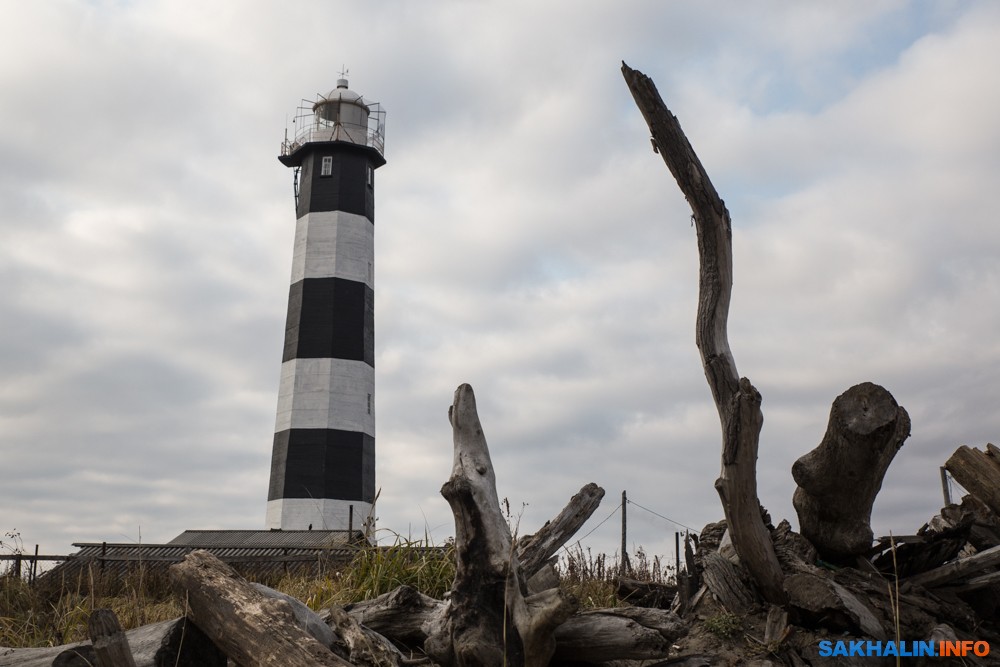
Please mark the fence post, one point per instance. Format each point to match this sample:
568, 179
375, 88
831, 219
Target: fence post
626, 566
677, 556
34, 567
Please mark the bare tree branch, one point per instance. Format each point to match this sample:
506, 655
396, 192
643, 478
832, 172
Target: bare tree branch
737, 401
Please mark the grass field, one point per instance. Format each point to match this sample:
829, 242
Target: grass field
32, 616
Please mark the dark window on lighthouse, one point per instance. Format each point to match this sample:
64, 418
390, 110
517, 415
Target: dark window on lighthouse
326, 168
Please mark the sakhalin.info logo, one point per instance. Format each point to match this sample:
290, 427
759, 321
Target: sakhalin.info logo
903, 649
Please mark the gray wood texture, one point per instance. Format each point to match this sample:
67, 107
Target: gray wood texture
488, 621
736, 399
166, 644
839, 479
535, 550
979, 473
110, 643
251, 628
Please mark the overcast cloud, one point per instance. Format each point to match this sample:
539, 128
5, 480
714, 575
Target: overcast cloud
528, 242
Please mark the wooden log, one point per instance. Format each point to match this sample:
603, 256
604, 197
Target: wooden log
981, 581
402, 615
168, 643
488, 621
625, 633
736, 399
978, 473
839, 479
958, 569
535, 550
110, 644
252, 629
366, 647
305, 618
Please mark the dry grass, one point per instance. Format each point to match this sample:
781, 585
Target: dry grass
30, 617
593, 578
36, 616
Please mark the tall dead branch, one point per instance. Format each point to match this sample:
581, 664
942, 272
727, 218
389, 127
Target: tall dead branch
736, 399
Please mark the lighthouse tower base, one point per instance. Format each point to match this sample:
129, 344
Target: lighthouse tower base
318, 514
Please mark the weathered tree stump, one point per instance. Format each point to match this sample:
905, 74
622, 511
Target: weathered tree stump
838, 481
489, 620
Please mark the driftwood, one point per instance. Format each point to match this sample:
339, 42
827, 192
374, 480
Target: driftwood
838, 481
305, 618
959, 569
250, 627
110, 644
776, 628
736, 399
402, 615
979, 473
634, 633
535, 550
488, 621
626, 633
821, 601
365, 647
168, 643
725, 582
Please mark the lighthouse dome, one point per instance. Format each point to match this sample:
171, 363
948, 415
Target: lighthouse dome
345, 113
340, 115
337, 98
343, 94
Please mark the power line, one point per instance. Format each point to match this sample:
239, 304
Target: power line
676, 523
601, 523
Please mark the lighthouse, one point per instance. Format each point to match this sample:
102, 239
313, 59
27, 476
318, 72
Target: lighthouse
323, 457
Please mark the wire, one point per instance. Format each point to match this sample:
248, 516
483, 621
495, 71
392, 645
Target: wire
676, 523
601, 523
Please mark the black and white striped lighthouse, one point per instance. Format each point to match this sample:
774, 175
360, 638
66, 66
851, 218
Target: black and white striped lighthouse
323, 461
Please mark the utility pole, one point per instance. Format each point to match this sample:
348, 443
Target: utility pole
626, 567
944, 486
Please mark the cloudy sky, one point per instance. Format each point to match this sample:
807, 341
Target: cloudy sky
528, 242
